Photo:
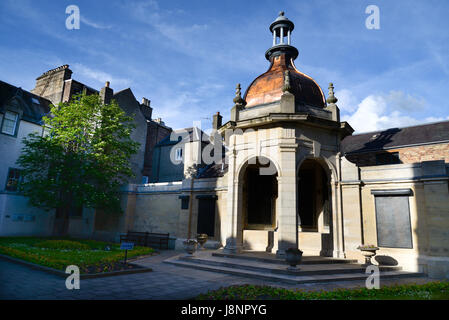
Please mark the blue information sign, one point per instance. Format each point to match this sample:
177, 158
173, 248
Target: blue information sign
127, 245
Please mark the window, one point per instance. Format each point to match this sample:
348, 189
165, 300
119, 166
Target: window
387, 158
13, 180
9, 122
145, 179
184, 202
178, 155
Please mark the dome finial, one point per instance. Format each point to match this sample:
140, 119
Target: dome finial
286, 87
238, 100
281, 29
331, 99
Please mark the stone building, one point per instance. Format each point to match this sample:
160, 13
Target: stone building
293, 175
21, 113
283, 172
58, 86
156, 132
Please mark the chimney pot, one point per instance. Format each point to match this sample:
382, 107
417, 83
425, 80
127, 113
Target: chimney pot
146, 102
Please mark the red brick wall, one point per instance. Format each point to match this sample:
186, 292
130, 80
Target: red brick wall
406, 155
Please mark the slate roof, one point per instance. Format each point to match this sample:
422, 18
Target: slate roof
32, 111
194, 134
397, 137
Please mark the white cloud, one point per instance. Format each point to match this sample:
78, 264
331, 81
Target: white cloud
379, 112
347, 102
406, 102
100, 76
94, 24
182, 108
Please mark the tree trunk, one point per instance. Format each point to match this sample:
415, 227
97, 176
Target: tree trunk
61, 223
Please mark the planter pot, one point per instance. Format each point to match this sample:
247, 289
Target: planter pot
293, 258
190, 247
369, 253
202, 239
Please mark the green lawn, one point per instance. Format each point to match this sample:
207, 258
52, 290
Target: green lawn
58, 253
429, 291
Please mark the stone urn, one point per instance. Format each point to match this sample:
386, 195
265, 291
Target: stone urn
293, 256
202, 239
190, 246
369, 251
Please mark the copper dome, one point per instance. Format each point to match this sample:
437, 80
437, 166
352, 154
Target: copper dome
267, 87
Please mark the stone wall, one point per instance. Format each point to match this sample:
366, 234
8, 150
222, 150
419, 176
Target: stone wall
157, 208
50, 84
428, 209
17, 218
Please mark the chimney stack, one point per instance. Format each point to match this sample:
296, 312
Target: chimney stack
159, 120
146, 109
216, 122
50, 84
106, 93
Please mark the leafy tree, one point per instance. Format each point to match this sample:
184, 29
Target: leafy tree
82, 161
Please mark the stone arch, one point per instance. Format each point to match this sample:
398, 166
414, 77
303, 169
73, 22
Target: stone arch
246, 161
327, 166
315, 204
257, 199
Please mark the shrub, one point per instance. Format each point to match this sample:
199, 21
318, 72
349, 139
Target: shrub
58, 253
431, 290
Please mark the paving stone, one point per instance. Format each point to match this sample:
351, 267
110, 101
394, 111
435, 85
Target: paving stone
165, 282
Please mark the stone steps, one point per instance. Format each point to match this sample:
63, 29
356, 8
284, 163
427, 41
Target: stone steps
271, 258
300, 277
307, 269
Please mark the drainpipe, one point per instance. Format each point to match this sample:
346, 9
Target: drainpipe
190, 208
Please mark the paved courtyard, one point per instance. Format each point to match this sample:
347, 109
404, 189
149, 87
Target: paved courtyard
165, 282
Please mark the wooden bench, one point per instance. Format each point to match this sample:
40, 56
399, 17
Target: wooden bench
146, 239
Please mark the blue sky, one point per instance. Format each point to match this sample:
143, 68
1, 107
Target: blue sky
187, 56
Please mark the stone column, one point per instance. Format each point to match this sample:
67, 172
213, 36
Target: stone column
337, 232
286, 217
231, 235
352, 223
